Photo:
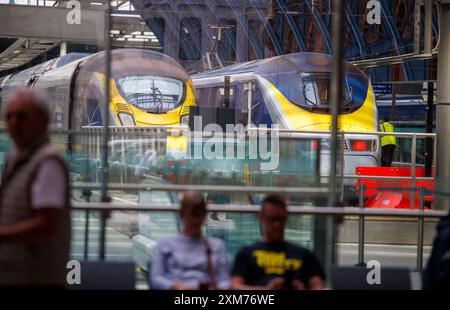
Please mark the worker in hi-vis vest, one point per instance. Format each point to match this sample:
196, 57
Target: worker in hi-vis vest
388, 143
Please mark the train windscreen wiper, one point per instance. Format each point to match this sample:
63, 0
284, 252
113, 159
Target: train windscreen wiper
308, 93
155, 92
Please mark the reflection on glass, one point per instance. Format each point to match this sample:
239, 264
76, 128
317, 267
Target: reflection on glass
154, 94
317, 89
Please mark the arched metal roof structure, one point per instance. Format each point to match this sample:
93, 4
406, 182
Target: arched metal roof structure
265, 28
188, 30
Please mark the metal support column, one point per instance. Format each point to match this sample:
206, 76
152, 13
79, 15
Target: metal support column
412, 193
325, 229
105, 166
429, 129
63, 49
428, 29
420, 231
250, 88
393, 116
443, 109
417, 17
87, 194
336, 92
226, 92
361, 228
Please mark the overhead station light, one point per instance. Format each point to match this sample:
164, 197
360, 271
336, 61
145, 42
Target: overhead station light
127, 15
133, 36
137, 40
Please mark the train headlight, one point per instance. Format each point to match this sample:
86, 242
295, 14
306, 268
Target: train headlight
126, 119
363, 145
359, 145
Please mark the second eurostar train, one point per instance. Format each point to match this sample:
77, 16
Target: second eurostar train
147, 89
293, 91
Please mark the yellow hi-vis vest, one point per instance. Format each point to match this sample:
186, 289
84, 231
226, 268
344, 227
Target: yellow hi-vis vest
387, 140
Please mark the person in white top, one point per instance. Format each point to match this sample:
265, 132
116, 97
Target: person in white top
34, 217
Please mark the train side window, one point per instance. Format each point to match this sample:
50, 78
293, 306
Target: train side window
86, 108
190, 39
93, 113
222, 91
32, 81
37, 69
50, 65
220, 95
310, 91
206, 97
260, 114
213, 96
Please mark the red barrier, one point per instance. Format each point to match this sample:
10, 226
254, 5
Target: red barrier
391, 193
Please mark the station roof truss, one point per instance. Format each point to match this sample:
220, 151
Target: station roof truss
263, 28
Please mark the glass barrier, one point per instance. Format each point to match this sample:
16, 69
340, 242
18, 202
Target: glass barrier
132, 236
158, 61
5, 145
146, 160
180, 159
403, 151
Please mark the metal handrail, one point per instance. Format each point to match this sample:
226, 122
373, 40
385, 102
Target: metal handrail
377, 177
305, 210
240, 189
310, 191
313, 134
328, 133
305, 191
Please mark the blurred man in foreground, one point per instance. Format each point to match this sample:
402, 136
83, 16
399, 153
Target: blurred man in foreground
34, 198
273, 263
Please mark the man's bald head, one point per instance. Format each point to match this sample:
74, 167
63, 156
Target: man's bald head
27, 116
37, 98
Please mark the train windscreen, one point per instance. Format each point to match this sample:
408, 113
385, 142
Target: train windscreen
151, 93
316, 89
305, 80
312, 90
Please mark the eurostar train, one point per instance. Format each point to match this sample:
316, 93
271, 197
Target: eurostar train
147, 88
293, 91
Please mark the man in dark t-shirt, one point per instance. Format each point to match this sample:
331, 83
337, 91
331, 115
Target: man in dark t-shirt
274, 263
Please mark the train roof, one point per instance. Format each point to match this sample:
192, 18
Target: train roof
136, 62
69, 57
299, 62
125, 62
